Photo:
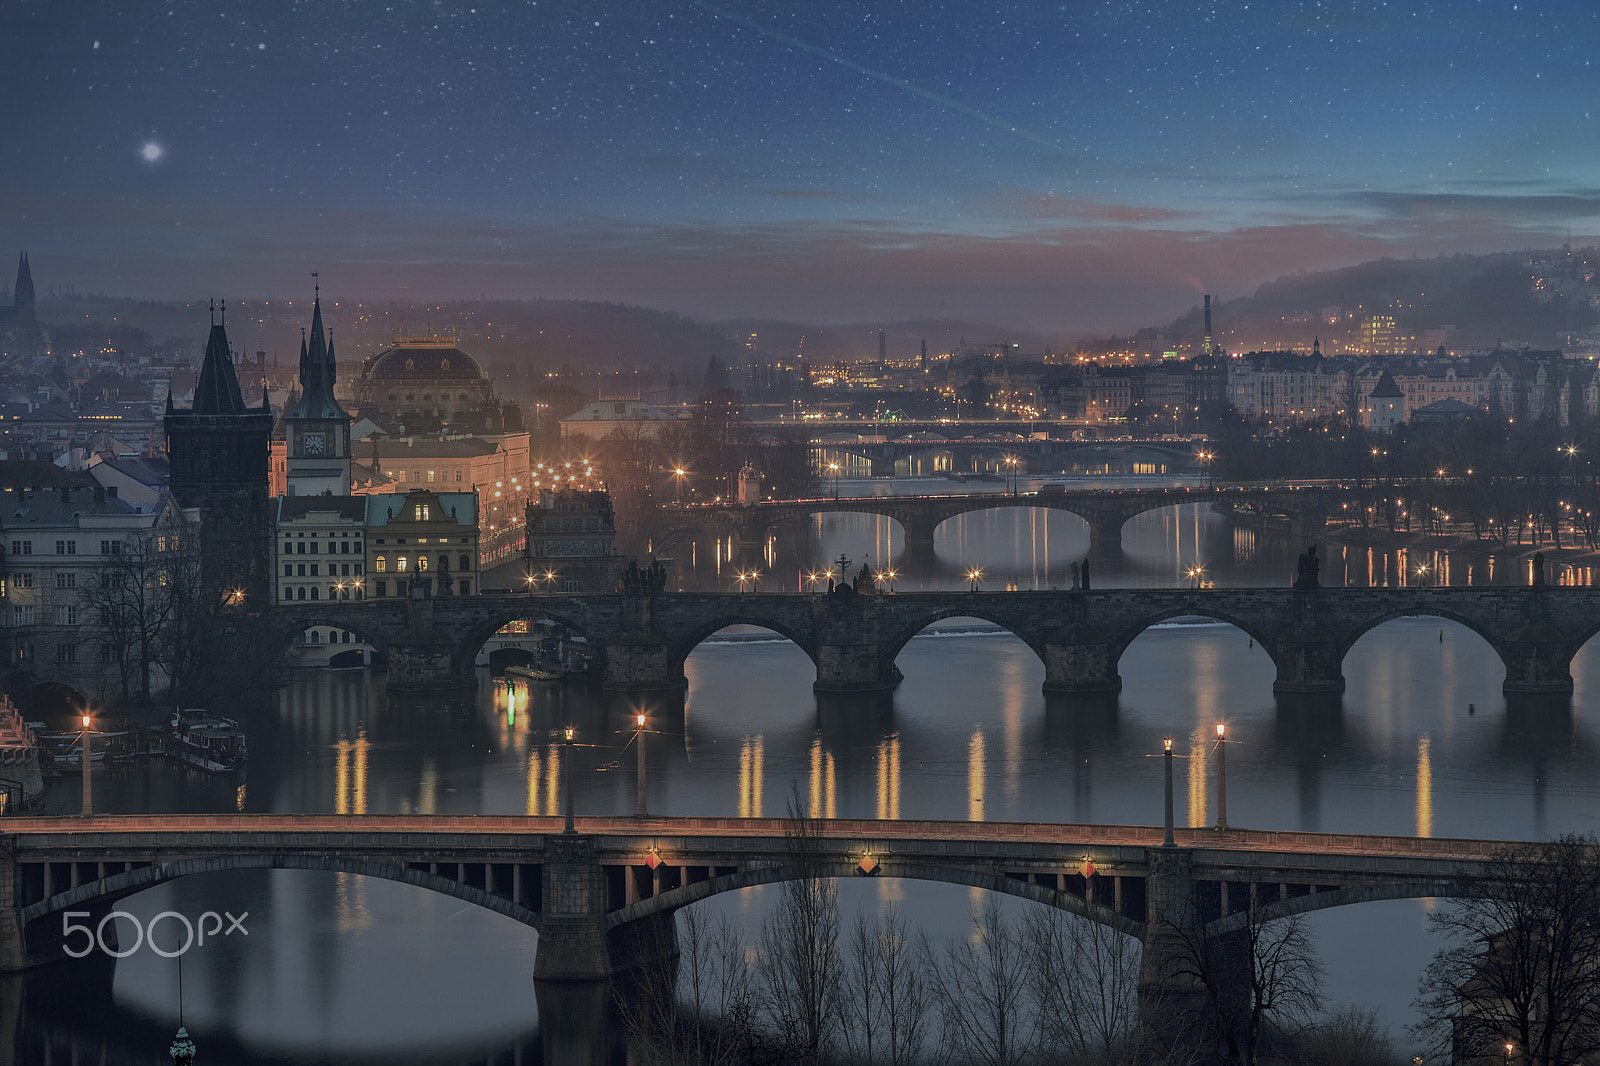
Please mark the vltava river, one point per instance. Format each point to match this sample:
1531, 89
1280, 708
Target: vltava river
343, 969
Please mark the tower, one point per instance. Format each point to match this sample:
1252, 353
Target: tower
1205, 345
318, 429
218, 454
22, 298
883, 347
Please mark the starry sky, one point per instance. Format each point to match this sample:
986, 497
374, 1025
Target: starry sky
1075, 167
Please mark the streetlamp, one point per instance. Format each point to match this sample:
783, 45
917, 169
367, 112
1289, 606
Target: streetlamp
88, 799
834, 468
1222, 776
1167, 841
531, 582
1011, 468
639, 740
549, 581
973, 576
566, 781
1195, 574
888, 577
1205, 458
677, 475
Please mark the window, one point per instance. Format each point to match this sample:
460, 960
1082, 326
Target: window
161, 544
358, 569
422, 562
313, 547
400, 563
108, 547
300, 594
110, 579
430, 475
444, 563
344, 569
288, 594
65, 547
300, 549
288, 570
66, 579
22, 547
67, 614
23, 579
466, 587
302, 570
288, 547
108, 653
380, 564
466, 562
66, 653
22, 616
313, 592
383, 589
458, 477
422, 510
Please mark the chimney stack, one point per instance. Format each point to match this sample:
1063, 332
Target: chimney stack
1205, 345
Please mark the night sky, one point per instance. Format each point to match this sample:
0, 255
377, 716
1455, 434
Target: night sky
1076, 167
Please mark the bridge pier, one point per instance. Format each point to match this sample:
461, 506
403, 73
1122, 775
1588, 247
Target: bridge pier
1308, 666
1537, 665
576, 945
849, 653
1172, 996
641, 661
1078, 658
423, 657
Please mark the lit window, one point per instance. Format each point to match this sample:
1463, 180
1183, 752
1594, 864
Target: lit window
400, 563
381, 564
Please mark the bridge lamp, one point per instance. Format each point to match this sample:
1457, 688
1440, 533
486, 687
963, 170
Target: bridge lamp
566, 781
1166, 761
1222, 776
642, 812
973, 576
889, 576
88, 801
549, 580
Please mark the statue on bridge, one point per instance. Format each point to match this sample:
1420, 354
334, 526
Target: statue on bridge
1538, 569
1306, 568
650, 579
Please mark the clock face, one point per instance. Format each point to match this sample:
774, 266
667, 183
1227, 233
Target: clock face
312, 443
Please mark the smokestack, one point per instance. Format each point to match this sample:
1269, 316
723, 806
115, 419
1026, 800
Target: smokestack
1206, 344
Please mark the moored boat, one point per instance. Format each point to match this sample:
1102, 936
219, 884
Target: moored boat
206, 741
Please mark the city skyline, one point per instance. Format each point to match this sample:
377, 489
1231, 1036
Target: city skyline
1090, 168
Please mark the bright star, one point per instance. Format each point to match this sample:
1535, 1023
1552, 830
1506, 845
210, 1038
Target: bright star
152, 151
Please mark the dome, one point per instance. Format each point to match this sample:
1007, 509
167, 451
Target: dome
410, 361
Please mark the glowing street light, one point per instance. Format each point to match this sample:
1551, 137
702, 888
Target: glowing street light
888, 577
678, 474
834, 468
1167, 840
1222, 776
88, 799
973, 575
566, 780
638, 739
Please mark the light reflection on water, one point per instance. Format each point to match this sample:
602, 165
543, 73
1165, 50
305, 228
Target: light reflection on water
1420, 743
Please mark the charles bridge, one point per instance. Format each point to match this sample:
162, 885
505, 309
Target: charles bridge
641, 641
602, 892
1300, 512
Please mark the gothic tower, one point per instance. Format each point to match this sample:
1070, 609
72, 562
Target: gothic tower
218, 453
22, 298
317, 431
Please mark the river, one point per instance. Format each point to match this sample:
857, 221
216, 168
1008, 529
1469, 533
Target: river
339, 968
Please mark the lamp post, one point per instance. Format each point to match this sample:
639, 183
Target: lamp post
1222, 776
834, 468
639, 739
1011, 468
1167, 840
677, 477
973, 576
88, 799
566, 781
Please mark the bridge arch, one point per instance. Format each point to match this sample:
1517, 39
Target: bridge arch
477, 634
674, 900
114, 887
1121, 642
288, 631
897, 641
1371, 622
1343, 897
684, 643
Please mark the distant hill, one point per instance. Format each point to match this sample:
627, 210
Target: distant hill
1487, 298
902, 339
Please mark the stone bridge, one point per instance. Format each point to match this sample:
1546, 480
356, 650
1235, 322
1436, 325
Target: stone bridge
643, 641
1032, 453
1304, 511
603, 894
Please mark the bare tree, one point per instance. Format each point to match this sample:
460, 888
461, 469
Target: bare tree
1348, 1036
800, 968
886, 998
1086, 981
980, 983
1261, 981
138, 598
1524, 962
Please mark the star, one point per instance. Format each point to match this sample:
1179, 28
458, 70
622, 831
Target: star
152, 152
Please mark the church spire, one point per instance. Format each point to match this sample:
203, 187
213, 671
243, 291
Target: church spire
217, 392
22, 293
317, 370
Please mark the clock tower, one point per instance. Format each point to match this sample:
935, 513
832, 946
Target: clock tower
317, 431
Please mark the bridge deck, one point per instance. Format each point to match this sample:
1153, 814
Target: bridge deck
1213, 841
